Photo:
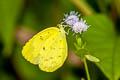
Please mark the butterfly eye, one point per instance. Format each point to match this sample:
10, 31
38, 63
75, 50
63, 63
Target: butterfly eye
59, 25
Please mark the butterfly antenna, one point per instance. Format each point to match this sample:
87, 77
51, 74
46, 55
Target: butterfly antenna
62, 23
65, 26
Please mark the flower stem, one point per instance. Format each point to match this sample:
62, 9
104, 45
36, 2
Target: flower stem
86, 69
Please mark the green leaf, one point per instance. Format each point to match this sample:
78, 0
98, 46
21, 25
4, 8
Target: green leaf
92, 58
6, 76
104, 44
9, 9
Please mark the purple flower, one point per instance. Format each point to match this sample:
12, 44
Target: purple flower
72, 18
80, 26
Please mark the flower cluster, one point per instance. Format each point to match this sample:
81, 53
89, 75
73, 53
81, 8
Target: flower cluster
72, 20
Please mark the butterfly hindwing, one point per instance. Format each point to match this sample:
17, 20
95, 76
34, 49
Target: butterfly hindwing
54, 55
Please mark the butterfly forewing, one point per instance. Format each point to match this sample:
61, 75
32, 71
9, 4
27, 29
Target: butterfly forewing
31, 50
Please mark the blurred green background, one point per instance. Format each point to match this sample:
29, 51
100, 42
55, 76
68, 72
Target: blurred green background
21, 19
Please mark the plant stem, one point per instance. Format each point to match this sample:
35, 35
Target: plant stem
84, 7
86, 69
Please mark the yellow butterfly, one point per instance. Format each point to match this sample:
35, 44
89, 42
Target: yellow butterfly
47, 49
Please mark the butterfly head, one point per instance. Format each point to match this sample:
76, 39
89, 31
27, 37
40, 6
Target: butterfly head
60, 26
